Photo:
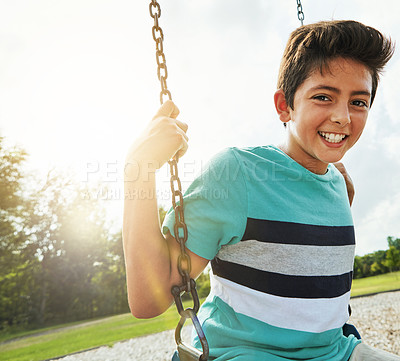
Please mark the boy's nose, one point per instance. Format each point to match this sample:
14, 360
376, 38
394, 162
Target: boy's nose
341, 115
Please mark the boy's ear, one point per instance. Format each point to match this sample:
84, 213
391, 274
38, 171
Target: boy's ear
281, 106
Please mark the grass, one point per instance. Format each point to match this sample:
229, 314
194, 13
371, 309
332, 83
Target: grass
376, 284
15, 333
62, 340
104, 332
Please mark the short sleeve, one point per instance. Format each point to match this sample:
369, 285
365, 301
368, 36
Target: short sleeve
215, 206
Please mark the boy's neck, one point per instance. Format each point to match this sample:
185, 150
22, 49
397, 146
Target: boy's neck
314, 166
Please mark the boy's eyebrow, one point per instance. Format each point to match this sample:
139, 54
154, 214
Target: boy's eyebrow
337, 91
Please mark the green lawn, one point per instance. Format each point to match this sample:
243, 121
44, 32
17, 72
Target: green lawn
105, 332
109, 330
376, 284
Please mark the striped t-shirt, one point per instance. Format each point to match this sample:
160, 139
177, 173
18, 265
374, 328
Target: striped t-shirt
281, 243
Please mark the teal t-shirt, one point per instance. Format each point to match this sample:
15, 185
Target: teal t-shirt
281, 243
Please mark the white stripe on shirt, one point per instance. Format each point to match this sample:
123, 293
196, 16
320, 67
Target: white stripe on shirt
309, 315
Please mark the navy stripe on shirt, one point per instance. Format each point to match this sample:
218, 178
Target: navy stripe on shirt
283, 285
298, 233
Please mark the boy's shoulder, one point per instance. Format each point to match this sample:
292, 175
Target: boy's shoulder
249, 157
242, 153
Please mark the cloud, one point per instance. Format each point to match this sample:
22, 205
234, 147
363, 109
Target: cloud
391, 89
381, 221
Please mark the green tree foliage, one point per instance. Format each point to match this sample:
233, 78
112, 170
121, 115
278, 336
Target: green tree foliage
70, 238
394, 242
12, 267
203, 284
393, 259
357, 268
59, 258
379, 262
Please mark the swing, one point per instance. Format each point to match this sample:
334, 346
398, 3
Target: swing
186, 352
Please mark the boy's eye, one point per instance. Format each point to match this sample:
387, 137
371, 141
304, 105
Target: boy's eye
321, 97
360, 103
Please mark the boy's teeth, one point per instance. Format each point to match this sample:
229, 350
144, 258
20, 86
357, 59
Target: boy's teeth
332, 137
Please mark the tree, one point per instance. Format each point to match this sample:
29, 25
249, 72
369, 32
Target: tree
59, 259
110, 280
378, 265
69, 238
393, 259
394, 242
358, 267
393, 254
13, 305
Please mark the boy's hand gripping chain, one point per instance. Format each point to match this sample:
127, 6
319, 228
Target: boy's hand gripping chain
186, 353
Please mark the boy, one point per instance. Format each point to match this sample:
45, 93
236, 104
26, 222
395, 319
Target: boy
281, 243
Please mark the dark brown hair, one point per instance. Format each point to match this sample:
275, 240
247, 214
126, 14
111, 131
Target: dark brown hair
312, 46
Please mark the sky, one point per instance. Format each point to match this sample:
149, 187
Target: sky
78, 84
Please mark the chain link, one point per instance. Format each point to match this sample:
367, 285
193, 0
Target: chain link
180, 228
158, 37
300, 14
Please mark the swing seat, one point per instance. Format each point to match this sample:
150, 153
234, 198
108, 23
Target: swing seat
348, 330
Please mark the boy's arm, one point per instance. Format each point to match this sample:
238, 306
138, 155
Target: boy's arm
348, 180
151, 258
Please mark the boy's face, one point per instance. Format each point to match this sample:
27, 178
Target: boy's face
329, 115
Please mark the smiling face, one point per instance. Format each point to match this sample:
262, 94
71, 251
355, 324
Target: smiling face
329, 114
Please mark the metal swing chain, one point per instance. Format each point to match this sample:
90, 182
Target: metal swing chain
158, 36
300, 14
181, 233
180, 228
